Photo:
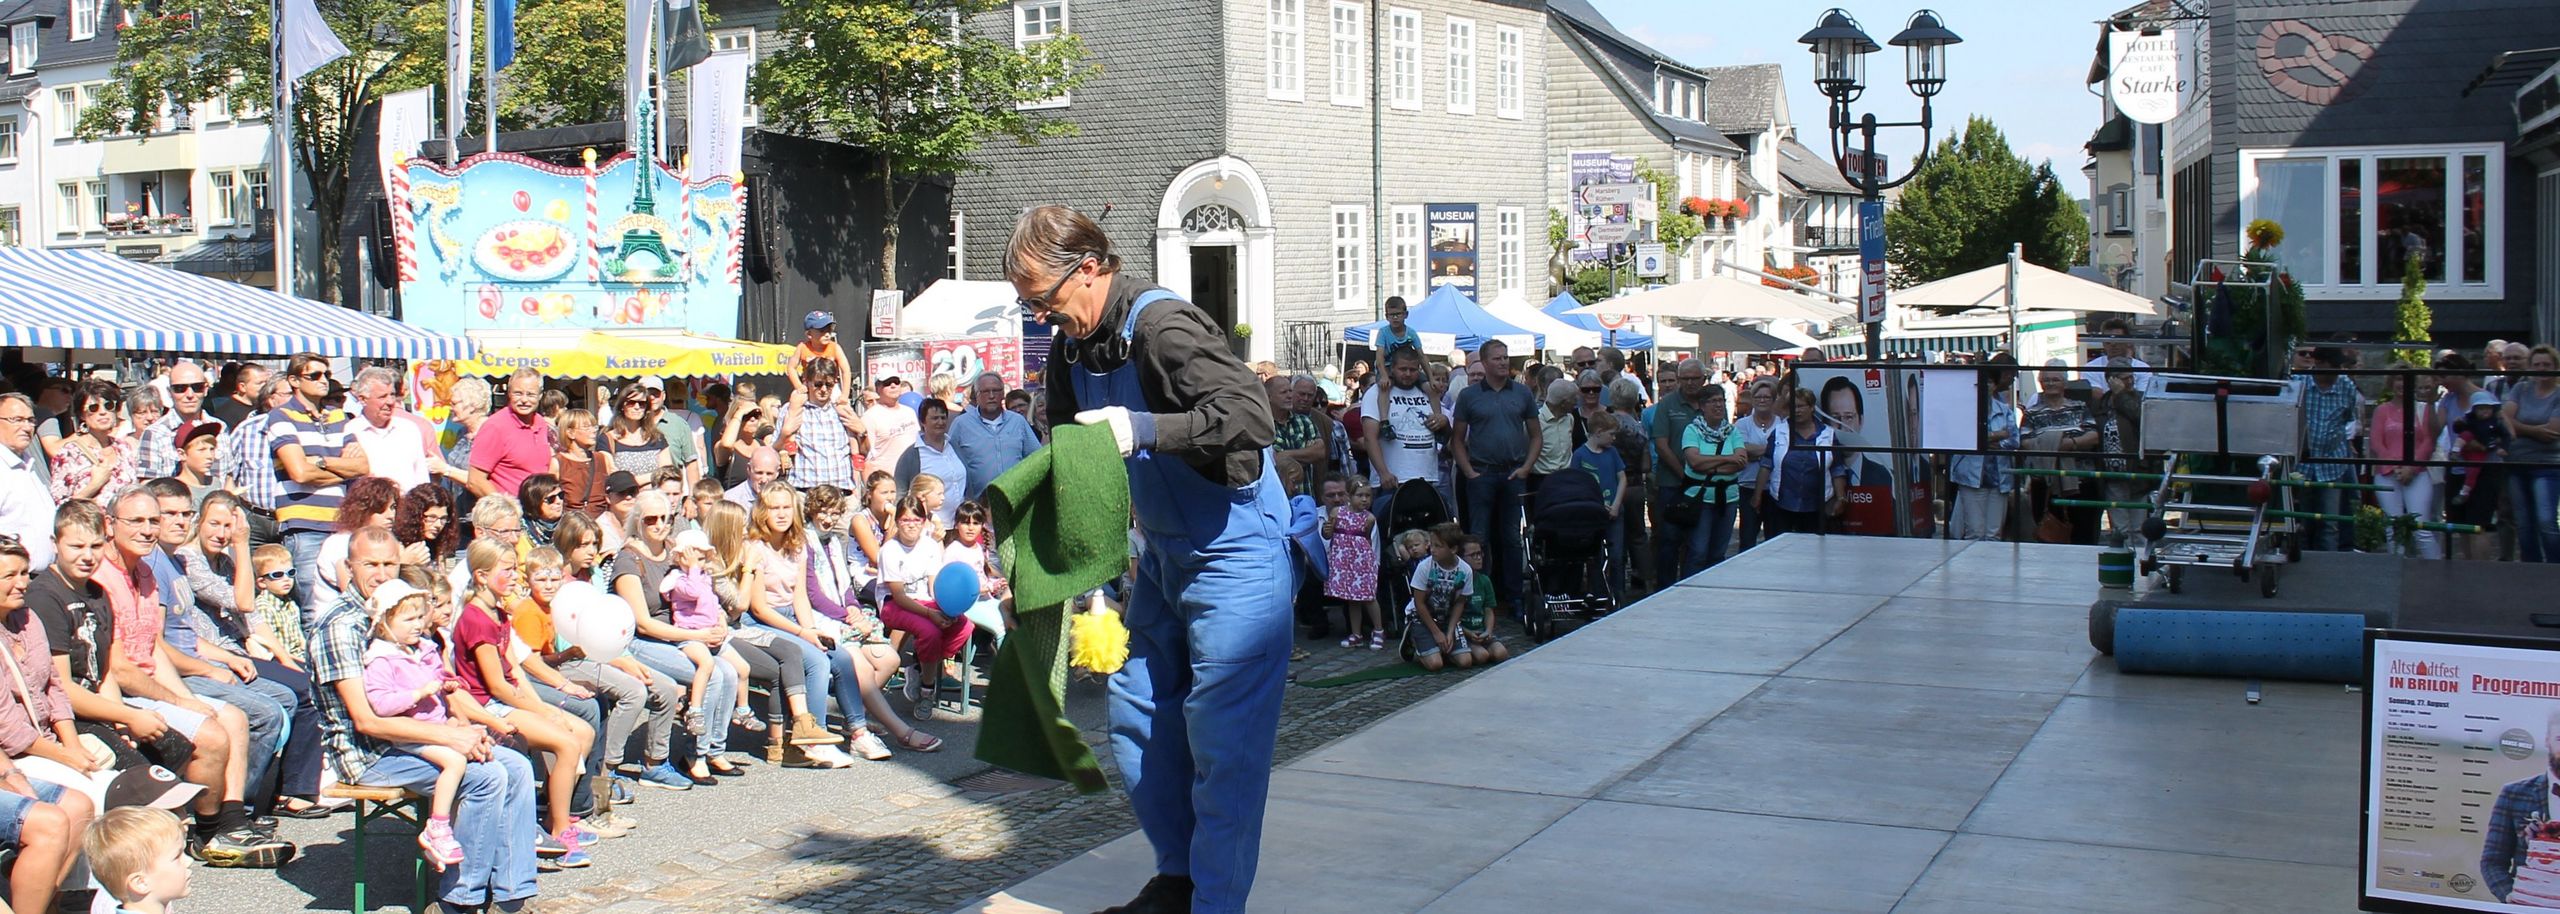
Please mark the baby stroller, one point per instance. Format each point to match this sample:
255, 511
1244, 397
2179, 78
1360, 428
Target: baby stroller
1568, 583
1415, 505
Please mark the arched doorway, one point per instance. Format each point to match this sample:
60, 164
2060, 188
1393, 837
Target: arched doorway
1214, 246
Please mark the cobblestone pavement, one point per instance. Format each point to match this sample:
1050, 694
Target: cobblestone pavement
910, 836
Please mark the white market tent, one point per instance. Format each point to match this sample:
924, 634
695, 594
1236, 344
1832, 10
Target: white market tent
2039, 289
1511, 309
961, 308
1721, 296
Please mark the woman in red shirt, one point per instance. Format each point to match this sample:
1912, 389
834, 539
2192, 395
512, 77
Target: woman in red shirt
2408, 489
483, 643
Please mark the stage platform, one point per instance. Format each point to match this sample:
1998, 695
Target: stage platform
1818, 725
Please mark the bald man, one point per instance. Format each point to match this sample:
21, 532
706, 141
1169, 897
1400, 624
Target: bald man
764, 466
158, 455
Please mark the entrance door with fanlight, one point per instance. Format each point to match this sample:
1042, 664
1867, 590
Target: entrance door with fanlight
1213, 288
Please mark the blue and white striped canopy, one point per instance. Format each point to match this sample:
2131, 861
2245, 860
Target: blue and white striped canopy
96, 300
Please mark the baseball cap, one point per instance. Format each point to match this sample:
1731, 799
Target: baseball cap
818, 320
149, 785
191, 431
693, 538
2480, 398
653, 382
621, 481
892, 379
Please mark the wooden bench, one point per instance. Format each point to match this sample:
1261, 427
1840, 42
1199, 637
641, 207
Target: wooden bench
397, 804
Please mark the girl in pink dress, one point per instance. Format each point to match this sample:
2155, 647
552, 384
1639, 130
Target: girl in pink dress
1353, 555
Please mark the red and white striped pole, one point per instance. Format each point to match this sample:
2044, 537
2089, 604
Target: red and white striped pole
595, 261
738, 230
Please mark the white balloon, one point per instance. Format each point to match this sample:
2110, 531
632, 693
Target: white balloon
592, 619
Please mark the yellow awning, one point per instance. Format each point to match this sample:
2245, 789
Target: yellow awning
604, 354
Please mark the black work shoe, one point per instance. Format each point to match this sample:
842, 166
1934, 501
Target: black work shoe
1163, 895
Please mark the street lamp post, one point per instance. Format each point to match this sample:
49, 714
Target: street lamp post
1840, 50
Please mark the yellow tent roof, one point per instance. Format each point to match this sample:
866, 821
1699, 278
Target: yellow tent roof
606, 354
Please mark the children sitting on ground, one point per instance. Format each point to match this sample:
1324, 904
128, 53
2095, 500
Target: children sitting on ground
405, 676
1353, 565
276, 624
1440, 589
139, 855
1477, 623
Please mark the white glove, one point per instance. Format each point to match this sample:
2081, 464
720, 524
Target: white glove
1117, 417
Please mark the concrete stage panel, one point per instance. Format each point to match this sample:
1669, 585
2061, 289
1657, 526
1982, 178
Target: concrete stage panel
1820, 724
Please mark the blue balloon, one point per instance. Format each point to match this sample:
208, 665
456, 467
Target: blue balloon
955, 588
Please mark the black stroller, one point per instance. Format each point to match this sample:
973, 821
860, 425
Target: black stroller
1568, 583
1415, 505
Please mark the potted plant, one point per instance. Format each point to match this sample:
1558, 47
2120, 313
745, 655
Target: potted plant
1738, 210
1693, 206
2373, 529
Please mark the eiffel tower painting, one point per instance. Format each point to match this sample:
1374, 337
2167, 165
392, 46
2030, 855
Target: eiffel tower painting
641, 229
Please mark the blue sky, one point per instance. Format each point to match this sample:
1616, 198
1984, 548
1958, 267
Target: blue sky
2021, 64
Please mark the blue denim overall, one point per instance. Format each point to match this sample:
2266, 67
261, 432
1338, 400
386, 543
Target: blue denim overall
1195, 711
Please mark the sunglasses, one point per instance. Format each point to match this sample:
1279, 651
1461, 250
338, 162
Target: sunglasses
278, 575
1591, 390
195, 388
1048, 300
311, 376
554, 498
651, 520
1586, 363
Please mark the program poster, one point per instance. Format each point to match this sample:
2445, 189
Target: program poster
2459, 747
1851, 402
1452, 228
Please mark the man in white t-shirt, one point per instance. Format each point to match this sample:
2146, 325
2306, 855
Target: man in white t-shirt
893, 427
1403, 434
396, 442
2121, 354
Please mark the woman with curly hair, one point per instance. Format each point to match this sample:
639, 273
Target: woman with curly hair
371, 501
425, 521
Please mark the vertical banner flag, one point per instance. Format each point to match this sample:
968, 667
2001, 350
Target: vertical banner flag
1871, 256
457, 68
408, 119
308, 43
502, 33
684, 45
1452, 228
638, 17
714, 122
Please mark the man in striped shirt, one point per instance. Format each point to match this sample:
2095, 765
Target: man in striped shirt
315, 455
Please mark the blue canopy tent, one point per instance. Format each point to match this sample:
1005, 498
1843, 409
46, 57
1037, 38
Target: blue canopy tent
1448, 319
1561, 308
74, 299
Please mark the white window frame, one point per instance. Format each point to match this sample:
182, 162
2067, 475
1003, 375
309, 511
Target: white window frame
66, 202
2120, 209
1659, 86
959, 253
1284, 65
253, 185
84, 19
1350, 261
13, 227
93, 210
1404, 59
24, 44
1509, 237
1459, 58
1405, 261
1022, 40
10, 137
225, 187
66, 107
2370, 286
1347, 28
1510, 72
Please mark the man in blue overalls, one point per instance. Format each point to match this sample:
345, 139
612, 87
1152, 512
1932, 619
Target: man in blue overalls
1195, 711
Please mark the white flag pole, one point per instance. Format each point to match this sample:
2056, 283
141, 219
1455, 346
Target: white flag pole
282, 178
489, 78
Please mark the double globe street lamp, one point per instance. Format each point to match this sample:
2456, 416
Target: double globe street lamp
1840, 50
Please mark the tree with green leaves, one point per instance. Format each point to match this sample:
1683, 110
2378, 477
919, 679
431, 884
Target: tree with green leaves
1970, 201
191, 52
910, 81
2417, 320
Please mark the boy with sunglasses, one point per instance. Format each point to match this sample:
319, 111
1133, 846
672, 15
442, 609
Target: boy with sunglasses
276, 624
